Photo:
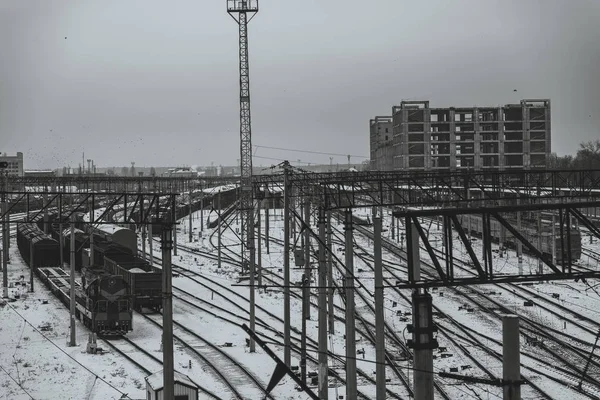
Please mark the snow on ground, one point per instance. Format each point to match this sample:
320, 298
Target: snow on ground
34, 355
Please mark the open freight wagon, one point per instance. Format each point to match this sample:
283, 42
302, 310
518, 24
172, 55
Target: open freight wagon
145, 283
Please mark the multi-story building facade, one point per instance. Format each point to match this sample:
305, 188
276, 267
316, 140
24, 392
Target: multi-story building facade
15, 164
516, 136
382, 156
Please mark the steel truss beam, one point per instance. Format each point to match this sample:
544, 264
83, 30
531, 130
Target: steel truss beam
439, 189
124, 202
483, 268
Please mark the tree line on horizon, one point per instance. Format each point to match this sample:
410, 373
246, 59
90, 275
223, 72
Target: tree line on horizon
587, 157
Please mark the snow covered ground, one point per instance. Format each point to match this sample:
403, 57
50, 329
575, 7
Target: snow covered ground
38, 364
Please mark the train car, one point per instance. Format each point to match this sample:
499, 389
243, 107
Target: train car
32, 241
122, 236
473, 224
109, 305
145, 283
102, 303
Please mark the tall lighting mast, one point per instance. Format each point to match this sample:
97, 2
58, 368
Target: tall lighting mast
242, 11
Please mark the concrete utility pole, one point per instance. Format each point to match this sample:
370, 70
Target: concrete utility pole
267, 226
174, 234
259, 241
252, 265
219, 230
287, 356
4, 252
202, 211
422, 327
72, 302
539, 240
92, 218
305, 284
379, 312
45, 199
150, 244
330, 286
323, 375
511, 357
519, 244
167, 337
306, 297
351, 388
144, 241
31, 266
190, 216
554, 237
61, 236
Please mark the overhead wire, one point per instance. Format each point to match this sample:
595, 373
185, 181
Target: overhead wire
309, 151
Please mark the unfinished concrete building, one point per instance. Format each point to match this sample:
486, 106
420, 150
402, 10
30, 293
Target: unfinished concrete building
382, 151
514, 136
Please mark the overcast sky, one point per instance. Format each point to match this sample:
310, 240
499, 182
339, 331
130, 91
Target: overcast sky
156, 82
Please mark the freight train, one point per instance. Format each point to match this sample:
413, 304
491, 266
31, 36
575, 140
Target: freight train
103, 305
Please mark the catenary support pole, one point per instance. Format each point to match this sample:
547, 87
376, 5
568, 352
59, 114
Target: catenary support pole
323, 371
4, 252
511, 357
519, 244
379, 312
252, 267
45, 199
554, 237
267, 233
287, 356
202, 211
539, 240
305, 294
259, 241
144, 256
174, 233
31, 266
351, 388
307, 274
191, 213
92, 218
330, 284
61, 236
422, 342
72, 341
219, 230
151, 244
167, 337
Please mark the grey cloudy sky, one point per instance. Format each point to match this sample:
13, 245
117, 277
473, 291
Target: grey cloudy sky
156, 82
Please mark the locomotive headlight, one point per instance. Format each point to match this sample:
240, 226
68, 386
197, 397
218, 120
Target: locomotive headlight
117, 323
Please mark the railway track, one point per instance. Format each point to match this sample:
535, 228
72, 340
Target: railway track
233, 297
232, 373
230, 259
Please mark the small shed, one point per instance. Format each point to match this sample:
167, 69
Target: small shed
185, 389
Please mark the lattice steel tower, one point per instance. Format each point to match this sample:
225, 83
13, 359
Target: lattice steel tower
242, 11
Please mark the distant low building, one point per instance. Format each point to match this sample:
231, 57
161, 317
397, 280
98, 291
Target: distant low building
184, 172
39, 173
15, 164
